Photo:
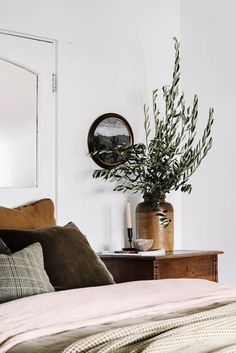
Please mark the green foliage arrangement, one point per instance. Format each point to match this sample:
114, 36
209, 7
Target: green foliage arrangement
170, 155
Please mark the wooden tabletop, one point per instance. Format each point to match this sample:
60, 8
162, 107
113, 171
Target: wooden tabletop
167, 255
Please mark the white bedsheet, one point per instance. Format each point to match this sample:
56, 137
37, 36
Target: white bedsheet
51, 313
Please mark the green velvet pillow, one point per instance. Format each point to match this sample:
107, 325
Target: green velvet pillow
69, 260
22, 274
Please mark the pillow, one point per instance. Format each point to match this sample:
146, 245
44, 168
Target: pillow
22, 274
39, 214
3, 248
69, 260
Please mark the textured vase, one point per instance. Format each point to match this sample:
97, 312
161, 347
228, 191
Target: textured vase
148, 224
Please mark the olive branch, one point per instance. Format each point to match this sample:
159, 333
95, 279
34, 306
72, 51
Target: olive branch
170, 155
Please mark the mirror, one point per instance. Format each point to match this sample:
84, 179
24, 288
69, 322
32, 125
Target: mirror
18, 125
107, 132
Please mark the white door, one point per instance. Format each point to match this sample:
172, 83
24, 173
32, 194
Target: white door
27, 119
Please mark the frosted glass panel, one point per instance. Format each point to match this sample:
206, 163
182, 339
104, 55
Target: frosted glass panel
18, 126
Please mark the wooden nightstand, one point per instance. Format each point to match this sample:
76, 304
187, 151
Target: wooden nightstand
174, 264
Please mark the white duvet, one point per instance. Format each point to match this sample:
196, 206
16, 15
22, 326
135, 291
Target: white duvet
45, 314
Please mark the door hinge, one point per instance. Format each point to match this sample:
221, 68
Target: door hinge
54, 82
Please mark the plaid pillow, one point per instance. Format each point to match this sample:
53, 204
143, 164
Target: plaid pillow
22, 274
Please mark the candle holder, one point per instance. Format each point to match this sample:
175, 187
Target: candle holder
130, 236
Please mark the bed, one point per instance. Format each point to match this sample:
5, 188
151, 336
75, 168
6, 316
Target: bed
172, 315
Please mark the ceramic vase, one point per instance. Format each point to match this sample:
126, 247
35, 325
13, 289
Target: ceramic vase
148, 225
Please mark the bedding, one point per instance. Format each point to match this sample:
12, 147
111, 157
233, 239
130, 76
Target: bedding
213, 329
22, 274
166, 308
39, 214
69, 260
62, 341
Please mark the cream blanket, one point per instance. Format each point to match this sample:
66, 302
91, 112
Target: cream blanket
208, 331
46, 314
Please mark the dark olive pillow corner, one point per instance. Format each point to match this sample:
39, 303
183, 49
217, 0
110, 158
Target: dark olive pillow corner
4, 249
69, 260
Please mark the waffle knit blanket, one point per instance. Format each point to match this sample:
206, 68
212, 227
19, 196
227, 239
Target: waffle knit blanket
208, 331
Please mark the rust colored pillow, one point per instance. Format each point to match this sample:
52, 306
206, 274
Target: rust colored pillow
39, 214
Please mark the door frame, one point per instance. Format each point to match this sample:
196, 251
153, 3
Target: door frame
54, 42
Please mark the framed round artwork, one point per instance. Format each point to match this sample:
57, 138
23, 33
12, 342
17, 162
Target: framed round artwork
107, 132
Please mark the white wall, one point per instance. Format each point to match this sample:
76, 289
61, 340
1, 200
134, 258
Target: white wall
208, 30
111, 54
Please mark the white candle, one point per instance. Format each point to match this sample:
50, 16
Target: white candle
128, 215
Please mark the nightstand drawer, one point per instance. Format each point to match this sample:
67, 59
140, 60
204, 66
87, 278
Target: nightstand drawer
203, 267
